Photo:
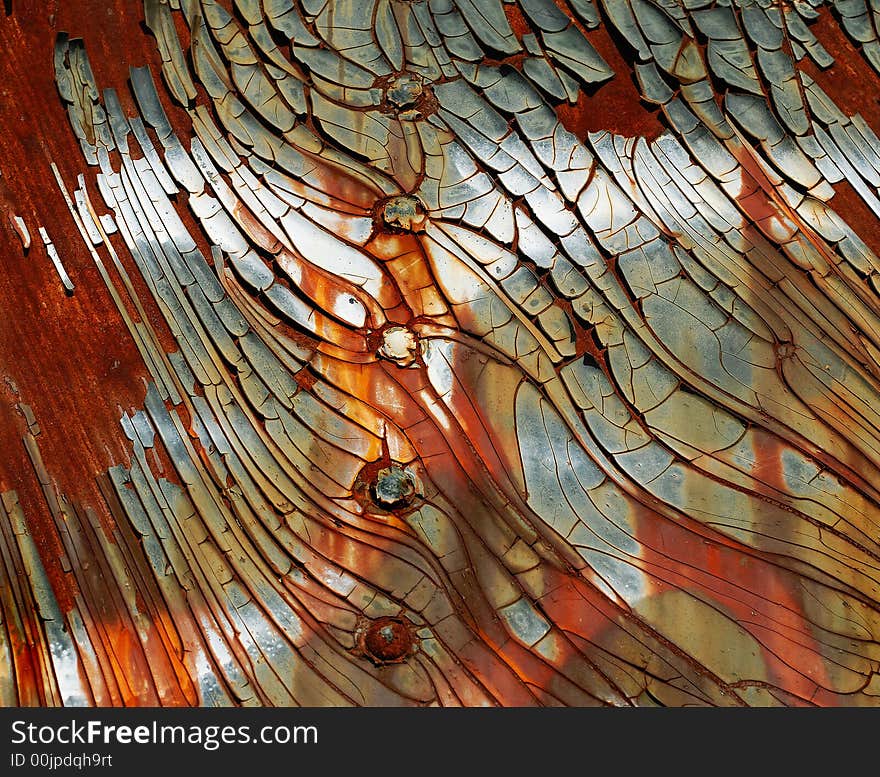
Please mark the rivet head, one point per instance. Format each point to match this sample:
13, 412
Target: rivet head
407, 96
404, 90
388, 640
394, 487
404, 212
785, 350
399, 345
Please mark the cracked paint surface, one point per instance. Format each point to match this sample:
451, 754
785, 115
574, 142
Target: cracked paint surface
466, 353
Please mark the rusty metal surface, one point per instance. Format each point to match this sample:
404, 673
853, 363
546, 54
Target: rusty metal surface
377, 352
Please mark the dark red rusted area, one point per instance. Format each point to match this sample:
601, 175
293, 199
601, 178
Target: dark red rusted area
616, 105
72, 360
69, 358
849, 68
517, 20
387, 640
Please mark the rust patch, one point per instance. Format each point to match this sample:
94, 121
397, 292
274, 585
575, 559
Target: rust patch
388, 640
517, 21
70, 358
853, 210
616, 105
849, 68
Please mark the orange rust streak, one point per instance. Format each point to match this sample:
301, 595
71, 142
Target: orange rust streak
344, 184
369, 383
764, 204
498, 678
577, 607
26, 659
744, 585
405, 261
853, 210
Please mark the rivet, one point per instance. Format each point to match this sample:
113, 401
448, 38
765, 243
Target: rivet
393, 488
403, 211
399, 345
388, 640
